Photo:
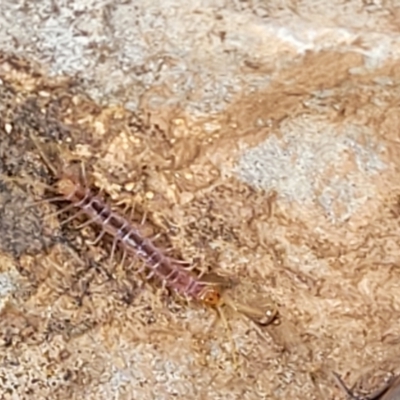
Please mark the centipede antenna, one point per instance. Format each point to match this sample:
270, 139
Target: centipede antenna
25, 181
43, 155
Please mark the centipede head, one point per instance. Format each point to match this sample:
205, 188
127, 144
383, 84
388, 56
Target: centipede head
57, 158
211, 296
68, 186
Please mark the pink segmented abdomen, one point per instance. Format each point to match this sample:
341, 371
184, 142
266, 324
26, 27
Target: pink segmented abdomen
132, 242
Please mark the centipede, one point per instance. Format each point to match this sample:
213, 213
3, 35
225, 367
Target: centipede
126, 235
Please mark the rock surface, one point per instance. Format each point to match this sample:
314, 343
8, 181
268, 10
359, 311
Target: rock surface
261, 137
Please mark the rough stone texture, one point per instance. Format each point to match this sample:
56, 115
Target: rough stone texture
196, 55
310, 151
262, 140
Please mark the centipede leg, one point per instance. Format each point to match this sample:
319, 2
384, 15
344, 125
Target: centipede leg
188, 266
83, 173
185, 264
46, 200
61, 211
143, 218
73, 216
123, 258
113, 248
98, 238
163, 285
154, 271
88, 222
155, 237
105, 222
131, 213
142, 268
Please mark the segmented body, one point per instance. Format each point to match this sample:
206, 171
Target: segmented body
127, 236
